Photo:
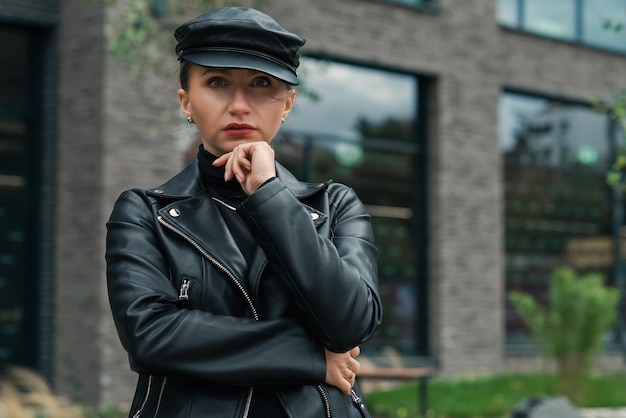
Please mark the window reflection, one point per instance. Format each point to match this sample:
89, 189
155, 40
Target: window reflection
507, 12
362, 132
555, 18
596, 14
573, 20
538, 132
351, 96
557, 202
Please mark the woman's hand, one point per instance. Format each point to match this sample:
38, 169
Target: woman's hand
342, 368
252, 164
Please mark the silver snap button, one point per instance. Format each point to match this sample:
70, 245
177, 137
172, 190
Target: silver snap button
314, 216
159, 191
174, 213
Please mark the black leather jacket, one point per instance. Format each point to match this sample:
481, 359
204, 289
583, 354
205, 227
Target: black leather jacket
201, 335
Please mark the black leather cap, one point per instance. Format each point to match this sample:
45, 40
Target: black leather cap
240, 37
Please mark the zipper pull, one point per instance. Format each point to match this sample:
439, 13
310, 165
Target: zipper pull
357, 399
184, 290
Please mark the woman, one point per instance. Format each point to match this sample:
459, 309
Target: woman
237, 290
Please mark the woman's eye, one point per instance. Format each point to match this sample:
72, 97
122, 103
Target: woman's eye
217, 82
261, 82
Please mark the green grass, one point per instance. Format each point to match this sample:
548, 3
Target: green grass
489, 396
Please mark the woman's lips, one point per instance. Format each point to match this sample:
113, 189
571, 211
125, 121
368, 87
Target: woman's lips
239, 129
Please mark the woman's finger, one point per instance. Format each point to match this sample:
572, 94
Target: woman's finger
355, 352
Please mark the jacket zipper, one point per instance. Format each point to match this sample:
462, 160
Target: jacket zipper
213, 261
184, 290
246, 409
356, 399
232, 278
145, 399
358, 402
325, 399
158, 406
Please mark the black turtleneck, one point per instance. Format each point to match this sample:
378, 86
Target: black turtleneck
229, 195
264, 400
214, 178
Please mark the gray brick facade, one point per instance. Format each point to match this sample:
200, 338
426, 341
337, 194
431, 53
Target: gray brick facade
113, 131
78, 241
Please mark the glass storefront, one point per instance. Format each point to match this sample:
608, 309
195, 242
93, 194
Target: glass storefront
558, 206
360, 126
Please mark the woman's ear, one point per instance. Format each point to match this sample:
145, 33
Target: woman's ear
183, 98
289, 102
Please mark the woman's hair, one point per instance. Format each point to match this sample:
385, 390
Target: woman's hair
183, 74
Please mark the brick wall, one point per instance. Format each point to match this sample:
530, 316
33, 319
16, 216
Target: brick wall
79, 233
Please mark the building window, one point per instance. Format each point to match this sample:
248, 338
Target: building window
19, 165
558, 206
364, 130
581, 21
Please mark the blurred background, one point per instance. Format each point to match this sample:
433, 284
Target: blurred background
467, 127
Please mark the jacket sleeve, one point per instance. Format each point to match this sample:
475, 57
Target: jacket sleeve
165, 339
334, 280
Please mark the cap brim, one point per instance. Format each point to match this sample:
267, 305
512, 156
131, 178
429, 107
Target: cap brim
240, 59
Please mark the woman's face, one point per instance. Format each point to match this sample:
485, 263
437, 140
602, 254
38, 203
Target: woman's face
234, 106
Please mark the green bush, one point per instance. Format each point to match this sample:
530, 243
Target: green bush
571, 329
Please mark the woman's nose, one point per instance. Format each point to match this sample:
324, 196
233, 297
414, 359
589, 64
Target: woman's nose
239, 100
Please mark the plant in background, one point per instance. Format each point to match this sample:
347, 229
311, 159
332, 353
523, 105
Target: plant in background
24, 394
571, 329
139, 32
615, 109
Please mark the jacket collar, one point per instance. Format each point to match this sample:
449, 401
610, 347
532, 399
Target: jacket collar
188, 183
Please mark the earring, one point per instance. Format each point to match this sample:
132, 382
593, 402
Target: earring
282, 120
189, 120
